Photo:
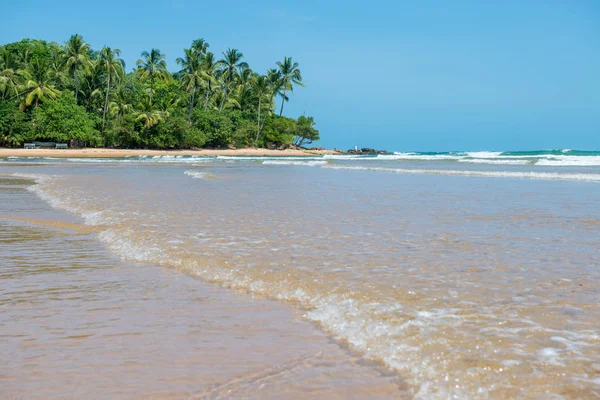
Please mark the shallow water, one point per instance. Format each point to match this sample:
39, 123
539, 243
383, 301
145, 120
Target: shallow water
78, 322
464, 280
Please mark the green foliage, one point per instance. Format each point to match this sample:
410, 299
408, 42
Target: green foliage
62, 120
217, 127
305, 131
26, 50
71, 92
14, 125
278, 132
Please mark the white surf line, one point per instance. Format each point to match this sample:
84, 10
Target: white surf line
490, 174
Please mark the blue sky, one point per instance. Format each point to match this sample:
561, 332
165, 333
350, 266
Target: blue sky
402, 75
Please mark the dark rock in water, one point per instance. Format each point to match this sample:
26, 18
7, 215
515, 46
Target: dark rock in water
367, 151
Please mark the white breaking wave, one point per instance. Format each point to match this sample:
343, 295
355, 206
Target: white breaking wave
342, 157
251, 158
425, 157
126, 160
491, 174
483, 154
196, 174
286, 162
570, 161
500, 162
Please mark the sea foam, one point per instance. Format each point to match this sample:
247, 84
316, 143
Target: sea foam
490, 174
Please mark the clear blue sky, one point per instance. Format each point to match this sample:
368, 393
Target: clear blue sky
402, 75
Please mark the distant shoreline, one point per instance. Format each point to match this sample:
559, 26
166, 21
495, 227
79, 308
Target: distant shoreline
122, 153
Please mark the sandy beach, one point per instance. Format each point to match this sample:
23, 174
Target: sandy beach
120, 153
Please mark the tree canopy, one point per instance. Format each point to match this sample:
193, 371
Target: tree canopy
74, 93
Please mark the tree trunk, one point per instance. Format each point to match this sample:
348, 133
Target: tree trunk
37, 100
206, 100
282, 102
76, 84
106, 101
258, 125
225, 93
151, 87
192, 103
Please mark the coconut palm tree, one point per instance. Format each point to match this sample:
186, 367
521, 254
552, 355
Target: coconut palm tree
210, 71
10, 75
76, 57
290, 76
114, 68
191, 75
231, 63
262, 88
276, 83
200, 46
38, 86
152, 65
91, 83
119, 104
148, 115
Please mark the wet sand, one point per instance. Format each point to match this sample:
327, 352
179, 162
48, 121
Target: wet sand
120, 153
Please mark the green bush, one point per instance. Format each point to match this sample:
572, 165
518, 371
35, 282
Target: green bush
14, 125
62, 120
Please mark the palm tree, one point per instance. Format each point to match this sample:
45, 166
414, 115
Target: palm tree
148, 115
112, 65
262, 88
91, 83
9, 74
200, 46
231, 63
38, 85
276, 83
120, 104
210, 69
152, 65
191, 74
290, 76
76, 57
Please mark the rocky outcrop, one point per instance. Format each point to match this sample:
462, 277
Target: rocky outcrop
367, 151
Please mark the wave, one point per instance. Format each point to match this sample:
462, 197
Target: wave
255, 158
196, 174
496, 162
289, 162
490, 174
570, 161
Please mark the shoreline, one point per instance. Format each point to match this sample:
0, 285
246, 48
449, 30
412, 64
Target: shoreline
122, 153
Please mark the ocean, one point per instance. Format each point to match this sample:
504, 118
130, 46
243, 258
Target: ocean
458, 275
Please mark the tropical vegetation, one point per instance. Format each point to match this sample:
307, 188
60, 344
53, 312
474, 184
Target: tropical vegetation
71, 93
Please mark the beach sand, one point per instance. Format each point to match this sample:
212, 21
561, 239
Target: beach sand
120, 153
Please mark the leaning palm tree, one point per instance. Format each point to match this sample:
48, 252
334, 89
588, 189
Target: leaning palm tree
290, 76
152, 65
231, 62
114, 68
76, 57
191, 75
38, 86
